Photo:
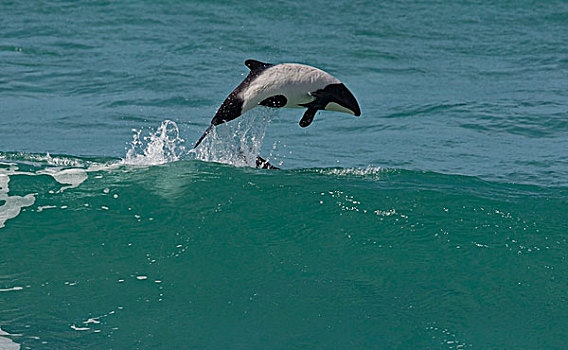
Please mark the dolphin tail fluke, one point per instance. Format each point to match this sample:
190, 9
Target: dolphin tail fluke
264, 164
204, 135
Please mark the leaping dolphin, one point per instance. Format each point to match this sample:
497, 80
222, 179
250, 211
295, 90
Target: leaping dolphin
285, 85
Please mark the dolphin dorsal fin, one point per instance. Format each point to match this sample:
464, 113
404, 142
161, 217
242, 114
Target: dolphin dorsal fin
255, 65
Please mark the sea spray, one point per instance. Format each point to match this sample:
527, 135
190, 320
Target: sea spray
162, 146
237, 143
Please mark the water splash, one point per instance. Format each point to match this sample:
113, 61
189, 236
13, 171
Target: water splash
159, 147
237, 143
162, 146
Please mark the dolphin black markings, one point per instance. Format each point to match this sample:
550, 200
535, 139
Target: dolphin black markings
285, 85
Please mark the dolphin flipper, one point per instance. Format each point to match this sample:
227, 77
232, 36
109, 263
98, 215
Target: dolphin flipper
308, 117
321, 100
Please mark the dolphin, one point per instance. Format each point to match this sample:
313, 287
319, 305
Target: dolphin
285, 85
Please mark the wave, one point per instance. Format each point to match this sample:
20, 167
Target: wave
228, 152
60, 174
127, 219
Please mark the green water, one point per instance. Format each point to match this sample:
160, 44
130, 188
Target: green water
200, 255
436, 220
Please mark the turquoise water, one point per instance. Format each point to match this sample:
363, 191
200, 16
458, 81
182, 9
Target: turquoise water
437, 219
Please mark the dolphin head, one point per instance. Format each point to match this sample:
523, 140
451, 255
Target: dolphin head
339, 98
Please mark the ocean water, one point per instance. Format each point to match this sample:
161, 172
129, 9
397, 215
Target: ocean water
436, 220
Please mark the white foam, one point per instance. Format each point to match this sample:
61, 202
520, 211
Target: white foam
72, 177
60, 161
368, 170
7, 343
46, 159
162, 146
44, 207
92, 320
4, 179
12, 204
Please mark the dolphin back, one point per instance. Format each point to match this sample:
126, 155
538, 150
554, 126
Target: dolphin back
232, 107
